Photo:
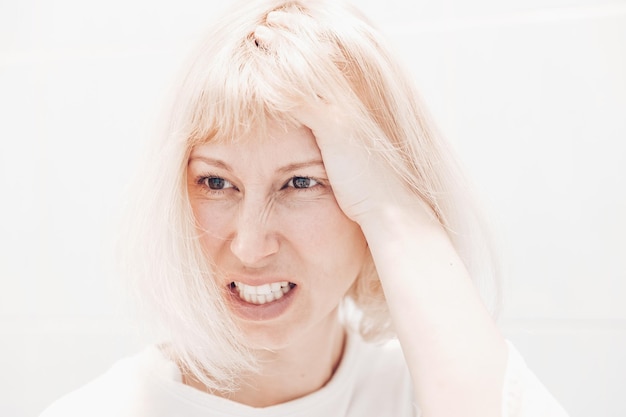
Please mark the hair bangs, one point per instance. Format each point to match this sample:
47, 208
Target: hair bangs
244, 90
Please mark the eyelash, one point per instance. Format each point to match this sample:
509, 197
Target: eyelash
202, 179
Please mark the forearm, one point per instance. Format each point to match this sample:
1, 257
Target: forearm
454, 350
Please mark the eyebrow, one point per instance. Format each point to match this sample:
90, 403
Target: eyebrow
211, 161
287, 168
299, 165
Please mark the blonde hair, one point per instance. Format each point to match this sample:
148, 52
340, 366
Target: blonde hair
232, 85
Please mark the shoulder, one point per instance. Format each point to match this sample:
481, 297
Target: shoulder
118, 392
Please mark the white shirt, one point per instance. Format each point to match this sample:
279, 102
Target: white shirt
371, 380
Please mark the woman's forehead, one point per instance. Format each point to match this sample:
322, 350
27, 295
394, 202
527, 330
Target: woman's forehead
274, 141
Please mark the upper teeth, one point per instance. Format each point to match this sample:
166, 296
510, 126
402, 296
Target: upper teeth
262, 294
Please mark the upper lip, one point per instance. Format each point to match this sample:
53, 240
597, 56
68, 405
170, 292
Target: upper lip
256, 280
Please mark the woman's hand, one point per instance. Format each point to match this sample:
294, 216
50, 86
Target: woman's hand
452, 347
363, 183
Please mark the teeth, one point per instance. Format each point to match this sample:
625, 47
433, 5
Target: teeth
263, 294
264, 289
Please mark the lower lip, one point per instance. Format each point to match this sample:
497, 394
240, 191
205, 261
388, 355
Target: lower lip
260, 312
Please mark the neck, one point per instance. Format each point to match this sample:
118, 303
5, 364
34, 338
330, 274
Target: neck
289, 373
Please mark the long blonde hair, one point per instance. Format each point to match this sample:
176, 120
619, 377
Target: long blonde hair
232, 85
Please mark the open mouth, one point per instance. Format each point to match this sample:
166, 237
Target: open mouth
262, 294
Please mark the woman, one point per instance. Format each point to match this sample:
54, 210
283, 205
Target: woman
301, 206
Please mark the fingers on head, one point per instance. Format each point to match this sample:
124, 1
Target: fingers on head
277, 20
280, 18
263, 36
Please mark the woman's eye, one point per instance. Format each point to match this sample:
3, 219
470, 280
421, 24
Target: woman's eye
302, 182
216, 183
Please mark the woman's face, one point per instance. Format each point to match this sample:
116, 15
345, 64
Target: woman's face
284, 251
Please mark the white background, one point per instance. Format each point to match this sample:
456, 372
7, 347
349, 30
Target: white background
532, 93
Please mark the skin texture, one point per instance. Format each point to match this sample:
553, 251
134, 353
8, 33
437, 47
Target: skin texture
258, 228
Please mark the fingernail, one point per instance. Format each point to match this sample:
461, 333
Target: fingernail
262, 35
275, 18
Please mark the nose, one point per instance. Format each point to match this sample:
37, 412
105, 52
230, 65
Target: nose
254, 240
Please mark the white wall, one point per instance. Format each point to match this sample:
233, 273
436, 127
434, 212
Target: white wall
533, 93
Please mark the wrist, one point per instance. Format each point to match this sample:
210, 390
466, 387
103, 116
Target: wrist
391, 222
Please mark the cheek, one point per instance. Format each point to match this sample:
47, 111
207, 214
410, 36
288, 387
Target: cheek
212, 224
325, 234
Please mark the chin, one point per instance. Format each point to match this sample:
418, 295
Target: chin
261, 336
290, 333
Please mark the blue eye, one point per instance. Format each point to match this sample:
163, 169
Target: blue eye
302, 182
216, 183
